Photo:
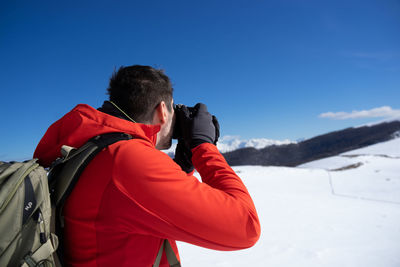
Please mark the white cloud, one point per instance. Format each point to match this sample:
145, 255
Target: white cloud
381, 112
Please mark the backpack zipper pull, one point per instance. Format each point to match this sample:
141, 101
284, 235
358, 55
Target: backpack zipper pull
42, 234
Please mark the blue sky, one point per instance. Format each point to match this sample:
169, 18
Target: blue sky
266, 69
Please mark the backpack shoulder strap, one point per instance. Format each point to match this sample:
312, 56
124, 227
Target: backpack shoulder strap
171, 257
65, 172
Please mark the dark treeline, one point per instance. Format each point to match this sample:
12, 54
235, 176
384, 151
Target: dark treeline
322, 146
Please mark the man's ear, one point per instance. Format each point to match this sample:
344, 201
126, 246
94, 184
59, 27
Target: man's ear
160, 114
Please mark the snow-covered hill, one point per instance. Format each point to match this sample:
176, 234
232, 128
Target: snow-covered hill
339, 211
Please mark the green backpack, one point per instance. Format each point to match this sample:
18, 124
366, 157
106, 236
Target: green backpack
31, 202
25, 213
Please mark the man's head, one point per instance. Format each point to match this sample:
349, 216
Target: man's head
145, 94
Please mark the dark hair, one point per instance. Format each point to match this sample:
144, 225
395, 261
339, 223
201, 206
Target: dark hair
137, 90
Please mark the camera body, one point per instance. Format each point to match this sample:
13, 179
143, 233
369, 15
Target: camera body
179, 110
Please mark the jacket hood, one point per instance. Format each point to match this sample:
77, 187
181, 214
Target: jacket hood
83, 123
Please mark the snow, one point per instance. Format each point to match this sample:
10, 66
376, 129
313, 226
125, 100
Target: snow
377, 174
313, 215
390, 148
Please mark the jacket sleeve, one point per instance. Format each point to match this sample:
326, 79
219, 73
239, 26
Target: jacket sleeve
217, 213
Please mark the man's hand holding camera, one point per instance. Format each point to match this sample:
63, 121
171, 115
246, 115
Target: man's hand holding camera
193, 126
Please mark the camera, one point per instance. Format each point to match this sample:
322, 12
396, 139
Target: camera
180, 111
184, 115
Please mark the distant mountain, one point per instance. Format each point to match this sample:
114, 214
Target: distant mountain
322, 146
229, 143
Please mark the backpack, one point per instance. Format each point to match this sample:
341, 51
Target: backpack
25, 212
31, 201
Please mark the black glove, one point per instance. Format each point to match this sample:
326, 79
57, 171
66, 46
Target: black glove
204, 128
183, 157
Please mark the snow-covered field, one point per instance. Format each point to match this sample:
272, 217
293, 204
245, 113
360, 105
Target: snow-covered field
342, 211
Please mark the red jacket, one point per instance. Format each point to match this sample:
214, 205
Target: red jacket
132, 196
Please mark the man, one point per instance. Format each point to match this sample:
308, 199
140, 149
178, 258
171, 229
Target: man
132, 197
